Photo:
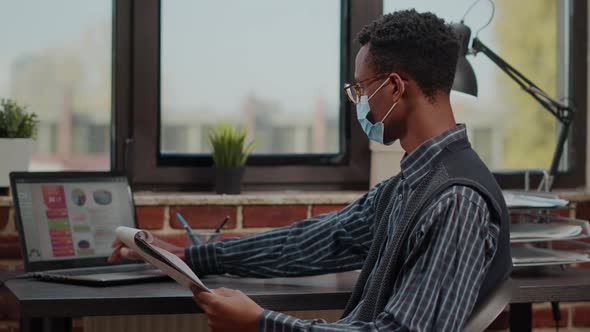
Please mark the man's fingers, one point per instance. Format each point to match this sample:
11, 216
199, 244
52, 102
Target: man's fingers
115, 256
204, 299
123, 252
196, 289
129, 254
225, 291
203, 305
116, 243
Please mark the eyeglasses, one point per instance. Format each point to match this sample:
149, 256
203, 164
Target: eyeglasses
354, 91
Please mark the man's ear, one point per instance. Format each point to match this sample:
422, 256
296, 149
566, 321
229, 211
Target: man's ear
399, 86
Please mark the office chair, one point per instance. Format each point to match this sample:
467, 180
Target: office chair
488, 309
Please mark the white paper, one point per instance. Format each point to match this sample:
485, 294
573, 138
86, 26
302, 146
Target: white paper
528, 255
176, 269
543, 231
521, 200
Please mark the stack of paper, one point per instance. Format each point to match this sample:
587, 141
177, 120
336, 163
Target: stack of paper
532, 256
531, 231
514, 200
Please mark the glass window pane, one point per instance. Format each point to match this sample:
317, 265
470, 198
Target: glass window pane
56, 59
278, 75
507, 127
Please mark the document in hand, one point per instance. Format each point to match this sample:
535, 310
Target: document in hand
142, 243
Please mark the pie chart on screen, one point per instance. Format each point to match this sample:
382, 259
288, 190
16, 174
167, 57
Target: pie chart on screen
102, 197
83, 244
78, 197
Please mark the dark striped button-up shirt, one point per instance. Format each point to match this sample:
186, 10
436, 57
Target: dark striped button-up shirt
445, 263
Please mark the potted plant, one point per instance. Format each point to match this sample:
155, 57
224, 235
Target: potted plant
229, 152
18, 128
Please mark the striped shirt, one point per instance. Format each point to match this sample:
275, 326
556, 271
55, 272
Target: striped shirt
446, 259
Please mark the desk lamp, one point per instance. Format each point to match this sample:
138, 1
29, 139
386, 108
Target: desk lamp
466, 82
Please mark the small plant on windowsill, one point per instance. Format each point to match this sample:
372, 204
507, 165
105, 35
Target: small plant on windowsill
16, 122
230, 153
18, 128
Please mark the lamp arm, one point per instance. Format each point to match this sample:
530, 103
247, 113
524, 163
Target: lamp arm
562, 112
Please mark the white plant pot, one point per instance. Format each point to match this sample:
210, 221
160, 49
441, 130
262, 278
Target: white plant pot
15, 155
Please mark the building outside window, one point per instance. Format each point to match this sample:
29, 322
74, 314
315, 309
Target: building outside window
61, 70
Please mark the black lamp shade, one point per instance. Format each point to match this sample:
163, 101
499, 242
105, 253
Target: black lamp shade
465, 80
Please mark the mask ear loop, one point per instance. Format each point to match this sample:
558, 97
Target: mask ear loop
391, 109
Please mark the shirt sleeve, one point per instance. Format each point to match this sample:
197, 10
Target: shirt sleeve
331, 242
271, 321
449, 255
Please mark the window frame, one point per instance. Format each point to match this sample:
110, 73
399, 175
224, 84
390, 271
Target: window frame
140, 148
121, 128
135, 133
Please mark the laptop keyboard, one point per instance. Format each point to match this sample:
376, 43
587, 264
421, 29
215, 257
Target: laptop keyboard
102, 269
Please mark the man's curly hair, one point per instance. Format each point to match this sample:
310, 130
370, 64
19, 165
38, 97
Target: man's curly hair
419, 45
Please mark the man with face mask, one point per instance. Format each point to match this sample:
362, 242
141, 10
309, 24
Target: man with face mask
431, 241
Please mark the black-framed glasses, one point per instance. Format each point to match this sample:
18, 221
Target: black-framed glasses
354, 91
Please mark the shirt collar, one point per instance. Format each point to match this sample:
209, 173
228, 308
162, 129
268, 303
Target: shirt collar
417, 164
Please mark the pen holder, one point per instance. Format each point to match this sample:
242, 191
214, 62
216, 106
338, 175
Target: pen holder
205, 237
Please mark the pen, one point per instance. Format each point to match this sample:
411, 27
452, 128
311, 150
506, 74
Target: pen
218, 229
189, 230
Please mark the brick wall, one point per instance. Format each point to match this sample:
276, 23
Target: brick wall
10, 260
247, 216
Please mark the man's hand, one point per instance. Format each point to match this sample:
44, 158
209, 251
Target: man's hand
228, 310
122, 251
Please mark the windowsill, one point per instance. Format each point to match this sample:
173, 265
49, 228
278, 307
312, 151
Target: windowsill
248, 198
145, 198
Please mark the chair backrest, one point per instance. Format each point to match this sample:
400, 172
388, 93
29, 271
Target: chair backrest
484, 314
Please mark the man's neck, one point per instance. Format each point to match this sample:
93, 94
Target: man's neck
427, 120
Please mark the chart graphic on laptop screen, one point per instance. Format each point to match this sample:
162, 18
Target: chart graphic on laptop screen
67, 220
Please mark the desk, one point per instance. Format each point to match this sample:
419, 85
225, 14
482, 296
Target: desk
546, 285
50, 306
46, 306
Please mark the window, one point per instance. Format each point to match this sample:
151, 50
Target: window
274, 68
56, 59
508, 128
254, 67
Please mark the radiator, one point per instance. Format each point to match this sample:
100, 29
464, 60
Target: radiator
176, 323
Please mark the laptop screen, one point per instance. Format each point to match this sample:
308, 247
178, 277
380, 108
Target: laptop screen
73, 217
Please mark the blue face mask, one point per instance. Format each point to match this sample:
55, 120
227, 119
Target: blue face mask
375, 131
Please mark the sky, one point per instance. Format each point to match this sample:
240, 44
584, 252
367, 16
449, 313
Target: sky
285, 51
30, 26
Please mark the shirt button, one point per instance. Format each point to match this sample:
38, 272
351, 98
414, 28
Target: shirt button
400, 196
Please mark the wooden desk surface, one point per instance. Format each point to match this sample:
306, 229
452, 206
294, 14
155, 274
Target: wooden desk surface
548, 285
45, 299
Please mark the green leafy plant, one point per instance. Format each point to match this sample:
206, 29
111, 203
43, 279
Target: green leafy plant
229, 146
16, 122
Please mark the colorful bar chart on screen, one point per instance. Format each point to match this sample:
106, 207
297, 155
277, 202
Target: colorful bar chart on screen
58, 223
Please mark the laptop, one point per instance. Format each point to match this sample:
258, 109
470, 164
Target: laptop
66, 223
